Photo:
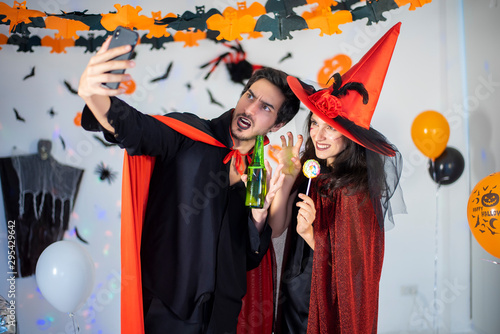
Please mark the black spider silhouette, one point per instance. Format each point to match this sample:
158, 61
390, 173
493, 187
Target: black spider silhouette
105, 173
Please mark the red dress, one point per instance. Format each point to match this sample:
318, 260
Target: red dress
347, 264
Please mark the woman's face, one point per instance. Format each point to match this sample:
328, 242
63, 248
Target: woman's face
328, 142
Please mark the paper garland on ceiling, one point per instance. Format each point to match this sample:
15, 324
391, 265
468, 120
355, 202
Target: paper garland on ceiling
276, 17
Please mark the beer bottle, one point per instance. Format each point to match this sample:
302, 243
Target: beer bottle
256, 182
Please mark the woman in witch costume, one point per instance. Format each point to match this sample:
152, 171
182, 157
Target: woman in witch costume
335, 242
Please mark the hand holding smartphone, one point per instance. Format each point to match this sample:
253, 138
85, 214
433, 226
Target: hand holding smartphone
122, 36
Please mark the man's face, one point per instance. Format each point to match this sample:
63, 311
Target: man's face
257, 110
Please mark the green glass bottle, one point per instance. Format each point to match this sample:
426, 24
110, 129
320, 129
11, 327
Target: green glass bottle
256, 182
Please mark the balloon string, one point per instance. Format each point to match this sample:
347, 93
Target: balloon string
75, 325
436, 329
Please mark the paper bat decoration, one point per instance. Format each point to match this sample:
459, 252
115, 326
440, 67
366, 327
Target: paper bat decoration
190, 38
164, 76
326, 21
284, 8
159, 30
280, 26
31, 74
287, 56
66, 28
93, 21
80, 237
52, 113
71, 89
256, 9
126, 16
63, 143
373, 10
25, 43
58, 45
105, 173
91, 43
18, 14
189, 20
156, 43
230, 25
213, 100
413, 3
22, 28
18, 117
344, 5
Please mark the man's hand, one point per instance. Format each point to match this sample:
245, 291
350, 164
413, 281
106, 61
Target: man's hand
274, 183
96, 71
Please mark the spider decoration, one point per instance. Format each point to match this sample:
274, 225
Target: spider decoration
105, 173
237, 65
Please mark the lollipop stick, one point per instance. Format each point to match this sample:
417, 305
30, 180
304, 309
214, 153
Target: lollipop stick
308, 185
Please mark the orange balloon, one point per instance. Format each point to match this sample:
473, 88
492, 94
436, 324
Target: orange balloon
430, 132
483, 213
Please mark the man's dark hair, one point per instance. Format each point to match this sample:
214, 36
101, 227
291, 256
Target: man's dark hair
291, 105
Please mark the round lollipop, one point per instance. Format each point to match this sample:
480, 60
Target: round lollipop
311, 169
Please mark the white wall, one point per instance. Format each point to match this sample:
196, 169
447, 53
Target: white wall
481, 26
427, 72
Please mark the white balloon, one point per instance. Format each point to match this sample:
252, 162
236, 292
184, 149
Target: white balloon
65, 275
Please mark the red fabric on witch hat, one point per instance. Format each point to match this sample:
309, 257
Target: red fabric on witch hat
349, 103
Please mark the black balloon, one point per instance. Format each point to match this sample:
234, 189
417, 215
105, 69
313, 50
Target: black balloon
448, 167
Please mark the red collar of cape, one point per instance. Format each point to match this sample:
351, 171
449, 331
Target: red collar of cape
137, 171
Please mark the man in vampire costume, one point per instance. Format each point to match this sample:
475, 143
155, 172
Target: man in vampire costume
183, 200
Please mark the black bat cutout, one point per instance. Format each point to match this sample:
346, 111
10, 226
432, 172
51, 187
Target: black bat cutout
31, 74
91, 43
373, 10
63, 143
188, 20
71, 89
92, 20
287, 56
280, 26
80, 237
156, 42
164, 76
212, 99
18, 117
52, 113
25, 43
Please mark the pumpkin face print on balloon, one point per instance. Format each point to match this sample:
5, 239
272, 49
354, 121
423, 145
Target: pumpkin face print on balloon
338, 64
489, 199
483, 213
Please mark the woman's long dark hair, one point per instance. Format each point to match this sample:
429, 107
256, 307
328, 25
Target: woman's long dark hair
350, 169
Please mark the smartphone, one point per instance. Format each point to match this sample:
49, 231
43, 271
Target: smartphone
122, 36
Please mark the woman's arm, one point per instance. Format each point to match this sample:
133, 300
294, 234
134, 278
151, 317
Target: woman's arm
281, 207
